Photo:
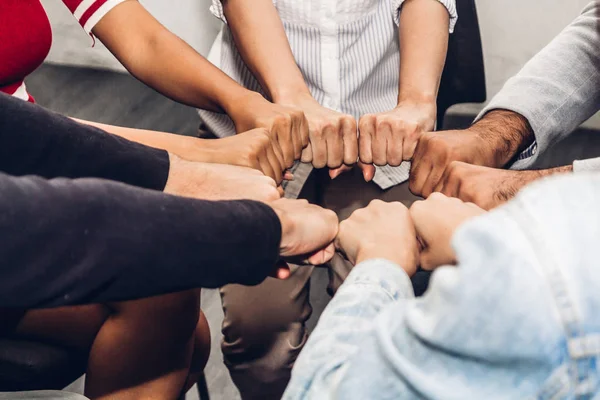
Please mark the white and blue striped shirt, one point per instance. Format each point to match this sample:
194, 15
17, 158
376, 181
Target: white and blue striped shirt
348, 53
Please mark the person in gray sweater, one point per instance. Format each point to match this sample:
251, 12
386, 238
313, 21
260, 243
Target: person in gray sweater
556, 91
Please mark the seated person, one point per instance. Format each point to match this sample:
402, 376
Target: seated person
516, 317
167, 64
90, 241
554, 93
368, 66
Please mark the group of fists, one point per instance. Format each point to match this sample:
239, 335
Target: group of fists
419, 236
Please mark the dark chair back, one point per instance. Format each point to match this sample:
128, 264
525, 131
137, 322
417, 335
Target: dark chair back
463, 80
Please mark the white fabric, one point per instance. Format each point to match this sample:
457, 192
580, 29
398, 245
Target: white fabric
347, 51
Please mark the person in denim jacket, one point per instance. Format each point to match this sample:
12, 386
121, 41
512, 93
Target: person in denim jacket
516, 317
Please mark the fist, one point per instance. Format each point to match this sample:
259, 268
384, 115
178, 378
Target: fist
436, 150
308, 230
391, 137
253, 149
286, 126
435, 221
381, 230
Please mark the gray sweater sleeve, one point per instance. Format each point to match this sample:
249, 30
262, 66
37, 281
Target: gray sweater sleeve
558, 89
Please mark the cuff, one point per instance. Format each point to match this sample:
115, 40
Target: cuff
449, 4
383, 275
589, 165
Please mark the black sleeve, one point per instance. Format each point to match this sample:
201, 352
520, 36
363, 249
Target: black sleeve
35, 141
80, 241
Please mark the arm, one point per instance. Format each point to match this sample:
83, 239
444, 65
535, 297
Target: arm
82, 241
391, 137
259, 33
34, 141
166, 63
553, 94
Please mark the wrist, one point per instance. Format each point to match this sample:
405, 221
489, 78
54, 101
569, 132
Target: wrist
292, 96
406, 261
506, 134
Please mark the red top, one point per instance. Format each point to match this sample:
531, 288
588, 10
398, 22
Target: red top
26, 37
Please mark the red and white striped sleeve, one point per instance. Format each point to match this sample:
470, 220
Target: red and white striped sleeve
89, 12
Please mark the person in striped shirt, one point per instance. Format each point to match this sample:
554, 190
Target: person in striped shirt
372, 66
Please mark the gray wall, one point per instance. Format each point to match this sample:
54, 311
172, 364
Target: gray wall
512, 31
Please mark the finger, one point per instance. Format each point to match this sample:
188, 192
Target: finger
449, 185
304, 131
383, 134
280, 190
368, 171
319, 150
426, 260
350, 141
282, 270
284, 138
275, 165
307, 155
295, 136
288, 176
419, 171
266, 168
365, 137
395, 149
434, 177
335, 146
322, 256
334, 173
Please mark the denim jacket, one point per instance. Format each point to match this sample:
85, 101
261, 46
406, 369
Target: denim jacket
518, 318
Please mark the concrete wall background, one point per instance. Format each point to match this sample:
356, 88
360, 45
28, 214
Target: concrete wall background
512, 31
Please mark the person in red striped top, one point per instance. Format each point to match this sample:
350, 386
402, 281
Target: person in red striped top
144, 349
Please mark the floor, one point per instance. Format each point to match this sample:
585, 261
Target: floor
119, 99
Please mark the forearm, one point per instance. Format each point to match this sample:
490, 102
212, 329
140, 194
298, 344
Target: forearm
507, 134
423, 34
186, 147
98, 241
164, 62
348, 319
557, 89
262, 42
35, 141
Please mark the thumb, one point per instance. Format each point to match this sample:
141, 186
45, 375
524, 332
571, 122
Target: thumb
334, 173
322, 256
368, 171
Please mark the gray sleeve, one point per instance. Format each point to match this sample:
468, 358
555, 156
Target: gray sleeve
558, 89
589, 165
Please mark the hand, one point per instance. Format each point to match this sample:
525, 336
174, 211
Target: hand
436, 150
435, 221
286, 126
332, 135
381, 230
252, 149
487, 187
307, 230
218, 182
391, 137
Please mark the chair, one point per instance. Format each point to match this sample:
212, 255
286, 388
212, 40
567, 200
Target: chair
463, 79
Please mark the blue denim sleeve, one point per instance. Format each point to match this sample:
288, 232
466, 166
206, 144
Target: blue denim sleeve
346, 322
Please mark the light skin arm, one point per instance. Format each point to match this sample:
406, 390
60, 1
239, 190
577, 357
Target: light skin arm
259, 34
391, 137
166, 63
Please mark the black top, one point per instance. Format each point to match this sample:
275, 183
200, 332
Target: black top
73, 241
35, 141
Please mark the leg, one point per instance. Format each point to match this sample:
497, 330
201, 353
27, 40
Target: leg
350, 192
137, 349
264, 327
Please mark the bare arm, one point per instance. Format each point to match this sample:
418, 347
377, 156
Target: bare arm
259, 35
